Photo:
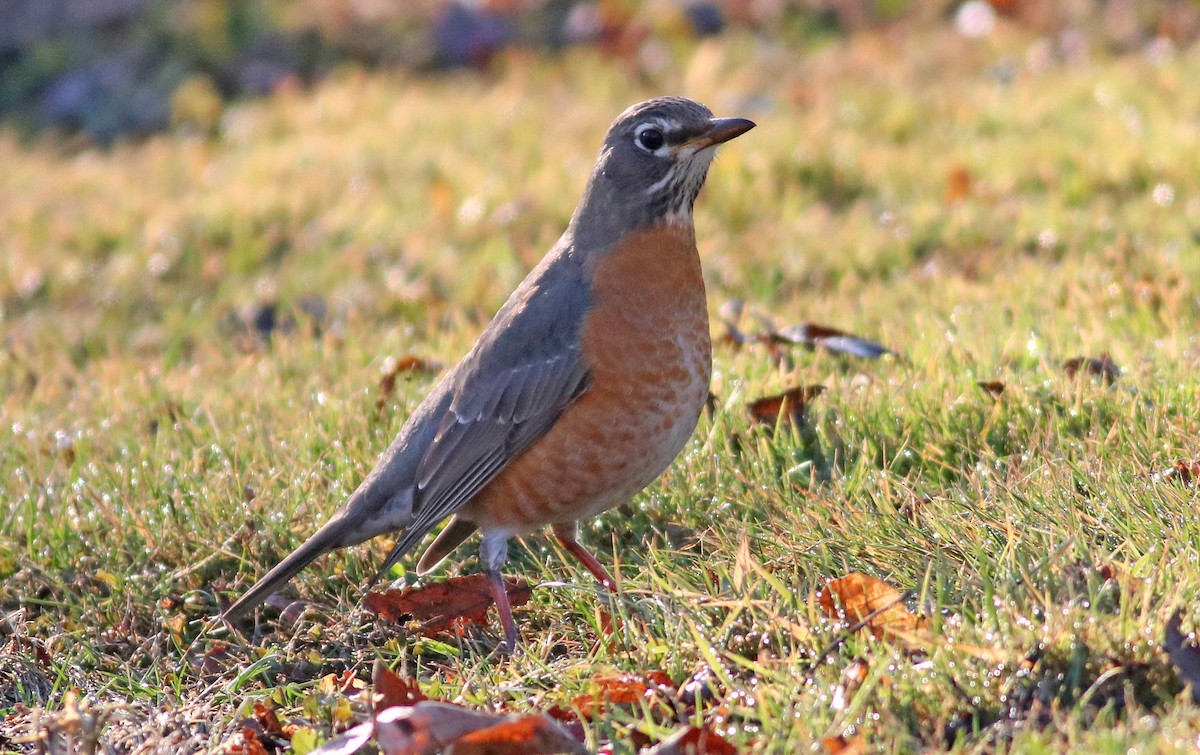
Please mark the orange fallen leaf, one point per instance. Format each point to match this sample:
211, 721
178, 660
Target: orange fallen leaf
626, 689
431, 727
865, 599
387, 384
958, 184
531, 735
840, 745
455, 602
391, 689
694, 740
791, 404
244, 742
1102, 367
269, 721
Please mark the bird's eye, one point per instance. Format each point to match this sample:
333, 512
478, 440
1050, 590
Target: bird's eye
650, 139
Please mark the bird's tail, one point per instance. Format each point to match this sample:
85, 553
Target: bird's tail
338, 532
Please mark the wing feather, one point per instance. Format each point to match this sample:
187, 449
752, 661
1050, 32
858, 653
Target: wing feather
524, 372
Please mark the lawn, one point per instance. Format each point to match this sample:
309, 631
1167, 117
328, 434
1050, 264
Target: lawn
197, 331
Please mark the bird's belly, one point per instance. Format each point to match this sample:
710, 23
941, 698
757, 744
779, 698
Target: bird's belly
647, 342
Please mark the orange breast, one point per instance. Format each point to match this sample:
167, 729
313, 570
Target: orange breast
647, 343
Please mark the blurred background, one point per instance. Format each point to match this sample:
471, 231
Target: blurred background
107, 69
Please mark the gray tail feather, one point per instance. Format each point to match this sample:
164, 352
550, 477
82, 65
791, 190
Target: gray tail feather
335, 534
411, 537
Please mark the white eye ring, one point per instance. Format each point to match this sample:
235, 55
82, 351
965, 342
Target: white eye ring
650, 138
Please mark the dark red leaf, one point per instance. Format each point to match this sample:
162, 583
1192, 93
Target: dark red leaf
695, 741
994, 388
791, 404
1103, 367
455, 602
812, 335
1180, 472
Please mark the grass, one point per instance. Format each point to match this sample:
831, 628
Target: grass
985, 217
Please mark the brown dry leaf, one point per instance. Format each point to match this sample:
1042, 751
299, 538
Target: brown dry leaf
1184, 653
391, 689
993, 388
791, 404
531, 735
866, 599
1102, 367
694, 741
958, 184
454, 603
840, 745
269, 721
626, 689
244, 742
387, 384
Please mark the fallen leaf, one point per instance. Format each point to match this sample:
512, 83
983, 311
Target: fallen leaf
1184, 653
993, 388
391, 689
212, 661
790, 404
729, 316
852, 678
840, 745
873, 602
387, 384
269, 721
911, 509
1181, 472
244, 742
694, 741
455, 602
626, 689
958, 184
1102, 367
531, 735
812, 335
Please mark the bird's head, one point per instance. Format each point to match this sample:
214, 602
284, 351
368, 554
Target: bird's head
655, 159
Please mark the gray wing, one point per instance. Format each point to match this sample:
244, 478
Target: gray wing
524, 371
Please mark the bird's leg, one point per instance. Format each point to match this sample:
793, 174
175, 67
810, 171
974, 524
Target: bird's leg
493, 553
565, 533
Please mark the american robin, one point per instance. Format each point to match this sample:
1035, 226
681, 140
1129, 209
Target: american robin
580, 392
